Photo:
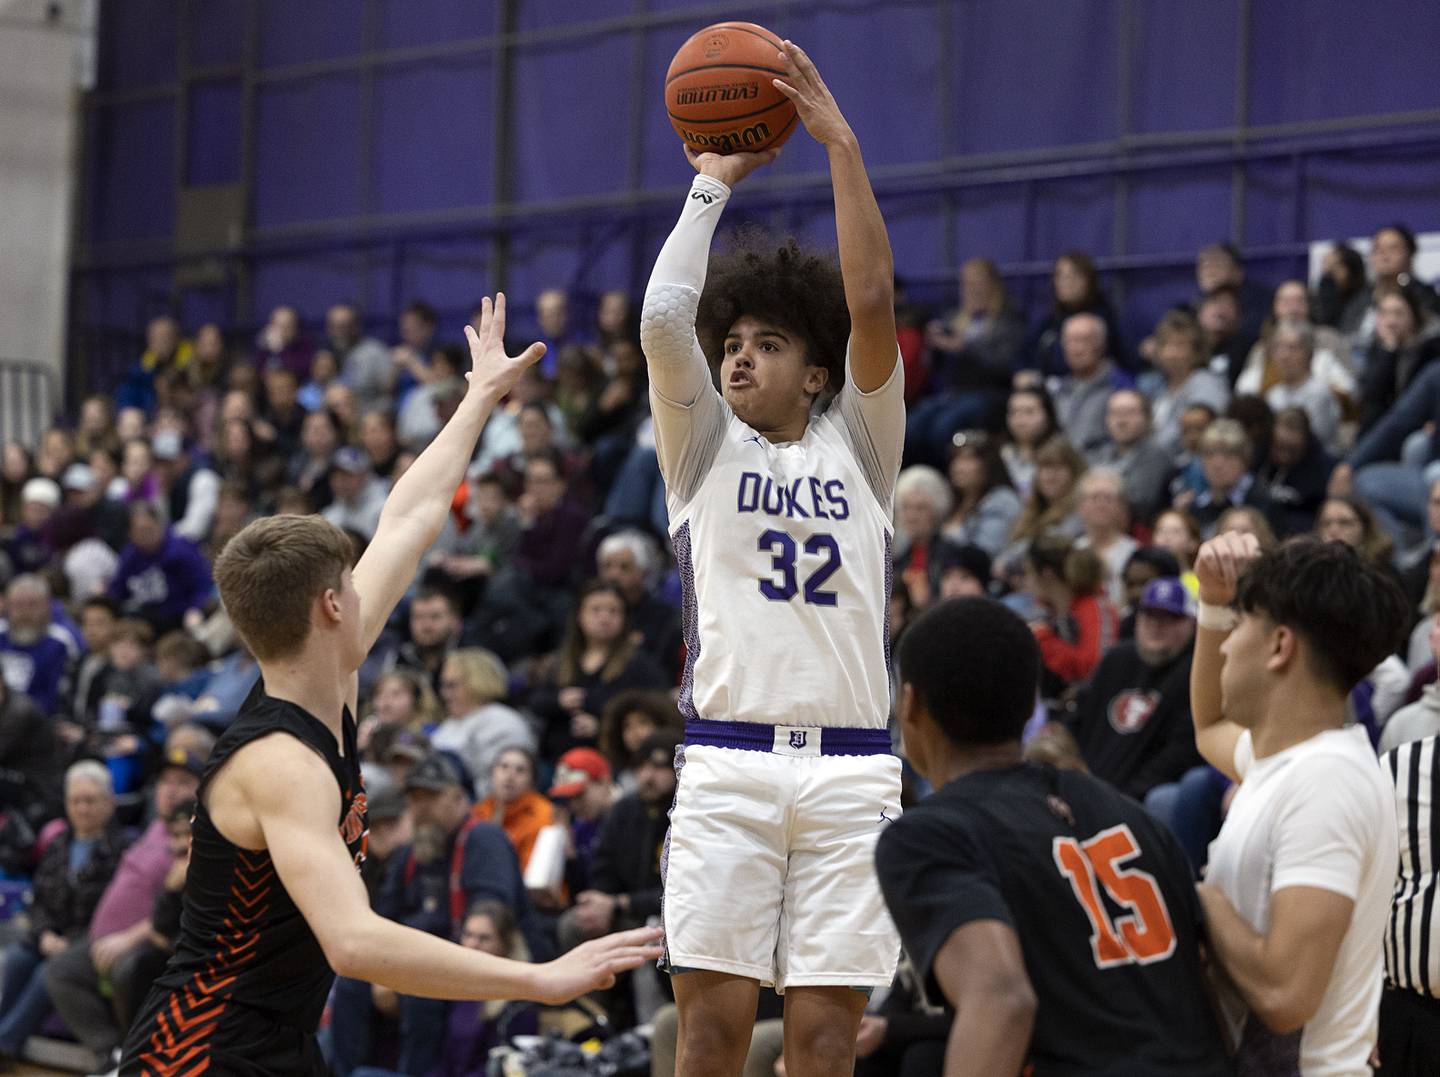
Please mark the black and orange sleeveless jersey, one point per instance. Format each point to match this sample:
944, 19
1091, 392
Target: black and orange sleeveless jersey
1100, 897
246, 987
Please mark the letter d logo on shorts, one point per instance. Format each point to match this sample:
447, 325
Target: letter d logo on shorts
796, 740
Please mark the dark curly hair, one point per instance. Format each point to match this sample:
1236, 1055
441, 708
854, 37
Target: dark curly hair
781, 284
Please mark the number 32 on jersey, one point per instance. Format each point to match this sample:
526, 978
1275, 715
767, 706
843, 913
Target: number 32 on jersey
795, 572
1143, 933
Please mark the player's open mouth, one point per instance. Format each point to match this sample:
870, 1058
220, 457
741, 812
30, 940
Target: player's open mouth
741, 381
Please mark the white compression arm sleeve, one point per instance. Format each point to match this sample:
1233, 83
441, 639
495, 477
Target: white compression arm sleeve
678, 370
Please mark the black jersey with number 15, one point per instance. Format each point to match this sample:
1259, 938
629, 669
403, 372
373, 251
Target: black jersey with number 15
1100, 896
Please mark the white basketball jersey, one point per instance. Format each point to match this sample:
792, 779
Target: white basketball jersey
784, 553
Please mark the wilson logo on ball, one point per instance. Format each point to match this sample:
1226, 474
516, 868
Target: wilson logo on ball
750, 138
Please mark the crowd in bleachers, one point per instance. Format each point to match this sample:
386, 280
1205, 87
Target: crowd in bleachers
517, 716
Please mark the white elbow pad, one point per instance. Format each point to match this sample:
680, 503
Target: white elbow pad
667, 323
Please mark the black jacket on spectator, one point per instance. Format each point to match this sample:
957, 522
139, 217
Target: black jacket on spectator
550, 548
641, 671
1046, 355
988, 361
1418, 405
1207, 513
1133, 721
658, 623
106, 520
627, 856
32, 761
909, 1023
1297, 493
1387, 374
63, 902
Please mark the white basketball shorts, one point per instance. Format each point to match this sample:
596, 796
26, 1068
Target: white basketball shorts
769, 869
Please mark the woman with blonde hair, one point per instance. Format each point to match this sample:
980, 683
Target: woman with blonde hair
477, 727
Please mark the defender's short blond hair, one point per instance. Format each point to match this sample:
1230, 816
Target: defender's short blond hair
270, 574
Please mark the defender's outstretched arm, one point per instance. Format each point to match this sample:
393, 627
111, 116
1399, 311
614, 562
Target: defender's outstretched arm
416, 509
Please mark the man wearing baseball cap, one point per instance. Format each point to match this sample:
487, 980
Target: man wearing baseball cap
583, 792
1133, 718
359, 494
30, 547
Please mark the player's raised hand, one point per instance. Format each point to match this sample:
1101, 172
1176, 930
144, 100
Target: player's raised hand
594, 965
728, 168
813, 100
492, 372
1219, 564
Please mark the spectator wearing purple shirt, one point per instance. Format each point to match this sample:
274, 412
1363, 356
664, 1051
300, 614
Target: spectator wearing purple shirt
121, 922
35, 654
162, 578
553, 526
29, 547
281, 344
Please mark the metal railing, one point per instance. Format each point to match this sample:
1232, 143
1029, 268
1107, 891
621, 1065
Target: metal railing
28, 401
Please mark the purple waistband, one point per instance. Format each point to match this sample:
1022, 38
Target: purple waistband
787, 740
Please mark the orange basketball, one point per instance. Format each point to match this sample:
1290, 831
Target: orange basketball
718, 91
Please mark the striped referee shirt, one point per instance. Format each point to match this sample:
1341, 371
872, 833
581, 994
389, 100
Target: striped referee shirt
1412, 938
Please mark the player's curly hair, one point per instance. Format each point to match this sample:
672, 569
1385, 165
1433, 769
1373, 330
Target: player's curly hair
777, 282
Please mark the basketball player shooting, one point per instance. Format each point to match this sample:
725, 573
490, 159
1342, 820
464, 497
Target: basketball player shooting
274, 906
780, 516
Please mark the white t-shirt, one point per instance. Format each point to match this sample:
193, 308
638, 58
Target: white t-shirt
1319, 815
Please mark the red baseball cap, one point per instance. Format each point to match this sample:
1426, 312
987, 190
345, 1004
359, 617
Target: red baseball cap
576, 769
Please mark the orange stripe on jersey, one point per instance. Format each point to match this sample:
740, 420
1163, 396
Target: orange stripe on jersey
180, 1045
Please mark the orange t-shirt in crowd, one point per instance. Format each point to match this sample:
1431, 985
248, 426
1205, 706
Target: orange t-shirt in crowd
524, 818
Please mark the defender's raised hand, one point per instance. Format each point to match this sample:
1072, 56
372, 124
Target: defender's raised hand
492, 372
804, 86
